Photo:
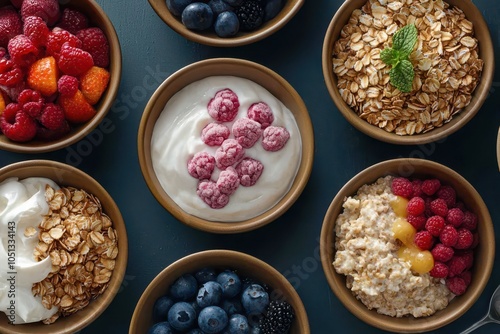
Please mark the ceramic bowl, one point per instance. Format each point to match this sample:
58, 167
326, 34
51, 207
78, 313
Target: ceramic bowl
259, 74
245, 265
483, 258
498, 148
209, 37
481, 92
97, 17
65, 175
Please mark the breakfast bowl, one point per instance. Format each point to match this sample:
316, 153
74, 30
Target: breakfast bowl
407, 314
82, 240
97, 87
289, 8
183, 148
444, 61
247, 267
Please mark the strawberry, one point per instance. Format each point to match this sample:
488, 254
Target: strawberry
95, 42
74, 61
48, 10
16, 124
43, 75
76, 108
94, 83
10, 25
2, 103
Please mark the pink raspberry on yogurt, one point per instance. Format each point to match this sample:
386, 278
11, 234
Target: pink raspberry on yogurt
246, 132
210, 194
228, 181
214, 134
261, 113
201, 165
223, 107
229, 153
275, 138
249, 171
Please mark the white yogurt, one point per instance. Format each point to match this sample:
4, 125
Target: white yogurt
22, 204
177, 137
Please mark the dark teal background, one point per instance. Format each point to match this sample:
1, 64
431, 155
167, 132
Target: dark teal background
152, 51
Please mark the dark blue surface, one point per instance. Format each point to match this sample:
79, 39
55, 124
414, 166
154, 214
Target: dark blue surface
152, 51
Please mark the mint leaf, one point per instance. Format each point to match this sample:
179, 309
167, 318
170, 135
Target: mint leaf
401, 76
404, 40
389, 56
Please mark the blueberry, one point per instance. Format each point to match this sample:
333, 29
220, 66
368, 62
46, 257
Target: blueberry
212, 319
161, 307
181, 316
255, 299
184, 288
177, 6
197, 16
271, 9
230, 282
205, 274
238, 324
232, 306
227, 24
255, 330
234, 2
195, 331
161, 328
210, 293
219, 6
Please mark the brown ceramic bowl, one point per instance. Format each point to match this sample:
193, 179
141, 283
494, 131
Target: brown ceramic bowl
246, 265
259, 74
479, 95
498, 148
97, 17
65, 175
484, 253
209, 37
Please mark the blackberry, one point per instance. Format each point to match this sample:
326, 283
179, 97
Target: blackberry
251, 15
278, 318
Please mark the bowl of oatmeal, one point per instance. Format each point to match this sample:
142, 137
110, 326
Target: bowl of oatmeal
226, 145
430, 256
67, 247
415, 95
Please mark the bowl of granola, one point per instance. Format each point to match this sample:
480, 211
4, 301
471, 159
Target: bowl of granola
57, 93
400, 79
67, 245
412, 232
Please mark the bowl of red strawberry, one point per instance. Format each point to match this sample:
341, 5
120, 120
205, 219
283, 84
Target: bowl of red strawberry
60, 68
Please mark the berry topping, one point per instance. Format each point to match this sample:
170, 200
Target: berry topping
48, 10
73, 21
439, 207
262, 113
214, 134
43, 133
448, 194
457, 265
442, 253
210, 194
440, 270
424, 240
223, 107
470, 221
31, 102
94, 83
278, 318
449, 236
67, 85
229, 153
52, 117
42, 76
417, 188
201, 165
246, 132
466, 276
402, 187
74, 61
455, 217
415, 206
465, 239
456, 285
95, 42
36, 30
76, 108
435, 225
251, 15
22, 50
418, 222
10, 25
10, 73
228, 181
431, 186
197, 16
57, 38
226, 24
16, 124
274, 138
249, 171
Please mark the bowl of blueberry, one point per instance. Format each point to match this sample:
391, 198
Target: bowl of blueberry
226, 23
219, 291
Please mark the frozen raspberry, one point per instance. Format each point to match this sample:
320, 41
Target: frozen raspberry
16, 124
228, 181
439, 207
249, 170
470, 221
67, 85
457, 265
261, 113
31, 101
448, 194
430, 186
417, 188
10, 25
424, 240
10, 73
465, 239
214, 134
246, 132
455, 217
201, 165
223, 107
36, 30
418, 222
229, 153
52, 116
415, 206
95, 42
402, 187
210, 194
449, 236
466, 276
456, 285
440, 270
74, 61
57, 38
22, 50
48, 10
442, 253
435, 225
274, 138
73, 20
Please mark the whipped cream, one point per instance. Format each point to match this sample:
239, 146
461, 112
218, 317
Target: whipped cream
177, 137
22, 205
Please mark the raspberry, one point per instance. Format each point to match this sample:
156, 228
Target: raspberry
229, 153
468, 258
274, 138
67, 85
439, 207
466, 276
228, 181
52, 116
456, 285
460, 205
442, 253
17, 3
448, 194
36, 30
31, 101
428, 212
95, 42
223, 107
417, 188
249, 170
214, 134
457, 265
74, 61
48, 10
246, 132
430, 186
418, 222
16, 124
424, 240
440, 270
43, 133
415, 206
261, 113
470, 221
449, 236
10, 25
73, 20
57, 38
210, 194
201, 165
435, 225
402, 187
465, 239
455, 217
22, 50
10, 73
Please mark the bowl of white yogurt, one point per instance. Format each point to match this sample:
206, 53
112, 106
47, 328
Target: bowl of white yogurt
226, 145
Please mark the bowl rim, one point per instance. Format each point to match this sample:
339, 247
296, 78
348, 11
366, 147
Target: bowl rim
337, 281
266, 217
201, 258
267, 29
498, 148
479, 95
104, 105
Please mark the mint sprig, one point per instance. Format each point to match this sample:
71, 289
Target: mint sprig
398, 57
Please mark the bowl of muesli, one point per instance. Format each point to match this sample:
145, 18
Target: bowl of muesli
408, 72
67, 248
407, 245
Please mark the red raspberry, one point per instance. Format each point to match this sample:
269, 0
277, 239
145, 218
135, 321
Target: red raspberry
67, 85
274, 138
16, 3
13, 91
402, 187
210, 194
249, 170
430, 186
439, 207
228, 181
10, 73
449, 236
31, 101
457, 265
435, 225
22, 51
214, 134
246, 132
428, 212
10, 25
74, 61
468, 258
16, 124
424, 240
417, 188
43, 133
73, 20
223, 107
415, 206
465, 239
460, 205
442, 253
48, 10
57, 38
52, 117
440, 270
261, 113
229, 153
418, 222
470, 221
448, 194
456, 285
466, 276
201, 165
95, 42
36, 30
455, 217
